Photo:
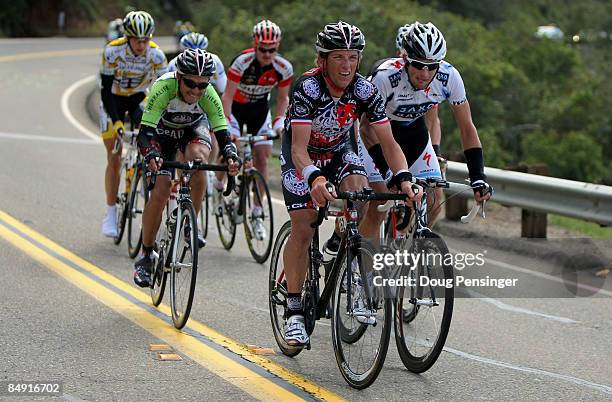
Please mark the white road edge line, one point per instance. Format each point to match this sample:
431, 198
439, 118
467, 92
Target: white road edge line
68, 114
578, 381
33, 137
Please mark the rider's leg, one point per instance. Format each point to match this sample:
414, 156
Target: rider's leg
152, 214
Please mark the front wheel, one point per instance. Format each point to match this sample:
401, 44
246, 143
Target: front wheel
259, 219
138, 198
277, 292
160, 273
424, 307
361, 319
184, 265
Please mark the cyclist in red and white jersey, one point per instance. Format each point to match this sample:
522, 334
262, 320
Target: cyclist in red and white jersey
251, 77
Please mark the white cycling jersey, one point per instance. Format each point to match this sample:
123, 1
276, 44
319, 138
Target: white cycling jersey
404, 102
219, 78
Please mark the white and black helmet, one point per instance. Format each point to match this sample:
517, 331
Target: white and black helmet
424, 41
194, 40
195, 62
340, 36
401, 31
138, 24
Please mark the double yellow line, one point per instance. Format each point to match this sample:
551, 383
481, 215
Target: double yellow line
228, 359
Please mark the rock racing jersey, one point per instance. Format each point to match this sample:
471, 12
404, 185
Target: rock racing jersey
255, 81
332, 120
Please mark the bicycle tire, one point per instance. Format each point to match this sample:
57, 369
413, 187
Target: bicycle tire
160, 275
277, 292
416, 363
256, 185
135, 211
226, 225
186, 228
204, 214
121, 206
348, 335
349, 371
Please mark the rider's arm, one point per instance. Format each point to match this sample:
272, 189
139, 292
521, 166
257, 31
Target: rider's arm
472, 147
282, 101
432, 121
228, 96
391, 149
108, 99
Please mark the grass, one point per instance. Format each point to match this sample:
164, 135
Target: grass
588, 228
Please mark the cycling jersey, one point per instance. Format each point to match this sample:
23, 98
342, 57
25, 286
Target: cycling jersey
256, 81
404, 102
169, 123
219, 78
332, 145
132, 73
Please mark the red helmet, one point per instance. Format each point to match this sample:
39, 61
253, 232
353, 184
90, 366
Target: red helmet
266, 32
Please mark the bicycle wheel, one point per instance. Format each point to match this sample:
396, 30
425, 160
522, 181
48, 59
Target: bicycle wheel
184, 265
164, 251
360, 361
203, 221
224, 216
424, 311
348, 335
259, 219
277, 291
122, 203
138, 198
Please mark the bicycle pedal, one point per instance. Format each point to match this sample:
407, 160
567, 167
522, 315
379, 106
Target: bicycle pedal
308, 346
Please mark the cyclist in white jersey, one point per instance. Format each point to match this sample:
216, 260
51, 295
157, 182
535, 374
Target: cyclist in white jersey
413, 85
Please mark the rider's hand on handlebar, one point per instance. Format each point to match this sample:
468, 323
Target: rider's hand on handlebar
233, 166
320, 192
118, 128
482, 190
153, 160
413, 191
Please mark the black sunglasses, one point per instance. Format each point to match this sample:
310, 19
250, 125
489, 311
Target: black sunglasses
419, 65
264, 50
193, 85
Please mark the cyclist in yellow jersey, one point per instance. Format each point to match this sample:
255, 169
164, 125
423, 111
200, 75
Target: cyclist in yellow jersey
129, 66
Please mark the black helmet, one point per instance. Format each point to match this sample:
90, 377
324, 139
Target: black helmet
340, 36
195, 62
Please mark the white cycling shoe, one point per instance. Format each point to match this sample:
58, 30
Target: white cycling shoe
295, 331
109, 224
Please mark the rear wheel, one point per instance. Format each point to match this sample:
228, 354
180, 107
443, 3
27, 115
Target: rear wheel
258, 216
122, 202
184, 265
277, 292
138, 198
160, 274
224, 216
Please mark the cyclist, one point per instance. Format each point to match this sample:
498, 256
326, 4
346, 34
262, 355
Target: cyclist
195, 40
181, 29
413, 85
180, 108
320, 145
114, 30
129, 67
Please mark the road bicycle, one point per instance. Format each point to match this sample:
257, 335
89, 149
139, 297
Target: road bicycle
360, 311
250, 203
176, 249
126, 144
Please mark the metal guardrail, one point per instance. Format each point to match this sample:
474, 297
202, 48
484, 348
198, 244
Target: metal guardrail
591, 202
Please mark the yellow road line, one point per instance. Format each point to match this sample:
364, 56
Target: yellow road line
51, 54
216, 362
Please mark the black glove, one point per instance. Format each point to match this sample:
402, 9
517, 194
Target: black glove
482, 187
398, 178
230, 152
151, 154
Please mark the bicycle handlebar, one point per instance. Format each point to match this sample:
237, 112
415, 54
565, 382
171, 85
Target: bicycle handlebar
196, 165
257, 138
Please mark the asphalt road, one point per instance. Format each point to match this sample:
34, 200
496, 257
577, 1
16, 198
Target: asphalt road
70, 313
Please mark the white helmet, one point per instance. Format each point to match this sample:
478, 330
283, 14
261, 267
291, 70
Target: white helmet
424, 41
401, 31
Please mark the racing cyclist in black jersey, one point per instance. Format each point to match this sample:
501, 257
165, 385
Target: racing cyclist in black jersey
320, 146
175, 121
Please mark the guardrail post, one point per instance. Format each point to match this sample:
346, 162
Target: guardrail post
456, 207
533, 224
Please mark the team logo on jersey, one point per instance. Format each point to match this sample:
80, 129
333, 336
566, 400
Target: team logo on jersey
311, 87
294, 184
268, 78
394, 79
352, 158
363, 89
442, 77
413, 111
427, 158
345, 114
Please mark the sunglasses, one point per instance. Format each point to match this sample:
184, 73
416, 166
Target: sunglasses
141, 40
193, 85
264, 50
421, 66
